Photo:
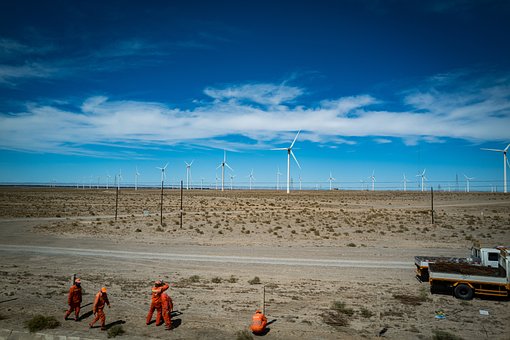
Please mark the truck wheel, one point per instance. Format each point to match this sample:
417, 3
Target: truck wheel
463, 292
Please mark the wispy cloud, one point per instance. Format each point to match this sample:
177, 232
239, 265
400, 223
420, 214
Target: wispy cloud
263, 115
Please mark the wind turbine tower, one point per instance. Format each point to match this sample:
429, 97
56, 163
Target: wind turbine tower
222, 166
289, 153
467, 182
423, 178
278, 174
505, 164
188, 174
372, 178
136, 178
331, 179
251, 177
405, 182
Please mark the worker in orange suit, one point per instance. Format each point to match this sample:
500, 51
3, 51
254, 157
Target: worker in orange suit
168, 306
74, 300
157, 290
99, 302
259, 322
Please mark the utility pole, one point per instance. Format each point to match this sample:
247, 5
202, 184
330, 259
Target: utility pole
161, 211
116, 203
432, 203
181, 206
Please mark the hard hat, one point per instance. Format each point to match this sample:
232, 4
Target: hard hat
258, 311
103, 289
158, 282
77, 280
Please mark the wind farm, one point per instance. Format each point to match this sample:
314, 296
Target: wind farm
277, 170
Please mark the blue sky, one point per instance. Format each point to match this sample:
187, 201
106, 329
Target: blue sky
394, 87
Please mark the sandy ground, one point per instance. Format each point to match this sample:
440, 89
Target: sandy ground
309, 249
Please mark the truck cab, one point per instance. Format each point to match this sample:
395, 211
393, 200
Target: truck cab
487, 257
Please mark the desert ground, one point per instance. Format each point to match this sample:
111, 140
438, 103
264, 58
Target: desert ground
311, 250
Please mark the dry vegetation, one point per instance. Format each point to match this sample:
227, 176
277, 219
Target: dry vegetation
315, 302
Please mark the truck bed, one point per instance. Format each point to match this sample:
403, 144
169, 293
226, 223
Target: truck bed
423, 261
465, 269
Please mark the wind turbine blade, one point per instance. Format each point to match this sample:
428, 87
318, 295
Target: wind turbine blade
164, 168
506, 149
228, 166
190, 164
507, 163
279, 149
294, 141
423, 173
293, 156
497, 150
219, 166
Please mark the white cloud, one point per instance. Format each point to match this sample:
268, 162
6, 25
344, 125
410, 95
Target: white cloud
430, 116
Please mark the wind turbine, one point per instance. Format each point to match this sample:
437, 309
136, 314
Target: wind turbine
372, 178
188, 174
163, 173
232, 181
216, 182
467, 182
331, 179
278, 174
108, 180
163, 177
120, 178
505, 164
136, 178
251, 177
423, 178
405, 182
222, 166
289, 153
299, 182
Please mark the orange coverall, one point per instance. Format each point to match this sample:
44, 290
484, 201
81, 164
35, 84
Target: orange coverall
168, 306
156, 304
74, 301
259, 322
97, 309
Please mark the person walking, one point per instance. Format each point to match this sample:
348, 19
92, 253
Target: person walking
168, 306
157, 290
74, 300
99, 302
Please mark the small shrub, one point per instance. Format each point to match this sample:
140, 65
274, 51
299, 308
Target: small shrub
254, 281
366, 313
444, 335
40, 322
216, 280
233, 279
115, 330
138, 230
351, 245
244, 335
194, 278
340, 307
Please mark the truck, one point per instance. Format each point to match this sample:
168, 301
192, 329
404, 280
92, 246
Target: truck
467, 280
486, 257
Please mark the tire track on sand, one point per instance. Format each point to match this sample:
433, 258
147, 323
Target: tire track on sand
129, 255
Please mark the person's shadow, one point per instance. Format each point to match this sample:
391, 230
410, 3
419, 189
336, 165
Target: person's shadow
111, 324
266, 330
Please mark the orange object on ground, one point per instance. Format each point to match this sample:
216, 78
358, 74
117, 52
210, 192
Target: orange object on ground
259, 322
168, 306
74, 300
157, 290
99, 302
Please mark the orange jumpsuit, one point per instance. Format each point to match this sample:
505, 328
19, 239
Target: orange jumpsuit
156, 304
259, 322
168, 306
74, 301
97, 309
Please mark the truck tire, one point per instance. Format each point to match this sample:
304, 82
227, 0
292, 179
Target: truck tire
463, 292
